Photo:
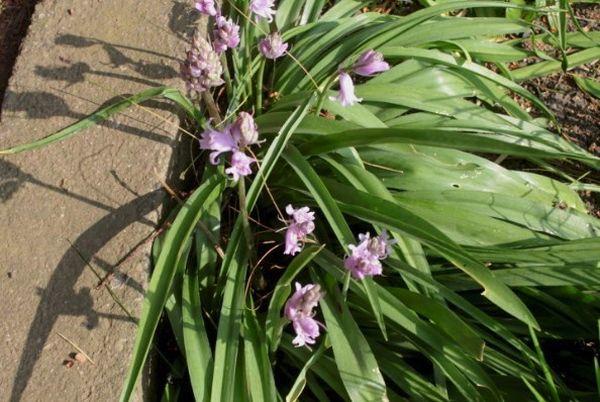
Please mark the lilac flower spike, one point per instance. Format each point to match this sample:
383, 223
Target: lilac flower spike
202, 68
226, 34
272, 46
217, 141
263, 8
370, 63
300, 226
240, 165
365, 258
346, 94
206, 7
299, 309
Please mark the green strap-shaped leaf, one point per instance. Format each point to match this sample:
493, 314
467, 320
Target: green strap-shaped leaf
588, 85
162, 278
198, 352
259, 371
355, 360
394, 217
438, 137
104, 113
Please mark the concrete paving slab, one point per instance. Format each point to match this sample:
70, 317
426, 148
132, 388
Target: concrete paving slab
99, 191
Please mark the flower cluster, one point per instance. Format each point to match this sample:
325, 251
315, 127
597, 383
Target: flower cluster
206, 7
300, 226
272, 46
234, 138
201, 71
263, 9
368, 64
226, 34
202, 68
365, 257
299, 310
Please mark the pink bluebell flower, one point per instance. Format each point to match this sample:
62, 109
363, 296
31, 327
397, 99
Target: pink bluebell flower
226, 34
263, 8
346, 94
301, 225
244, 130
307, 330
217, 141
272, 46
299, 309
240, 165
234, 138
206, 7
365, 257
370, 63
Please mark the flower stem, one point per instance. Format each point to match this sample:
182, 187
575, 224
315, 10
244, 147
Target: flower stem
323, 94
346, 285
244, 211
211, 106
248, 31
226, 75
259, 87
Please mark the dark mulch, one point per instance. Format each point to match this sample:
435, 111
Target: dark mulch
577, 112
15, 16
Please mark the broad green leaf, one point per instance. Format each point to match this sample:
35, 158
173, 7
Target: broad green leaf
445, 318
394, 217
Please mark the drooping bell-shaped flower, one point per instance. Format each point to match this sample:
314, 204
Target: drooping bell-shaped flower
346, 94
365, 257
307, 330
202, 68
206, 7
370, 63
300, 226
240, 165
272, 46
244, 130
226, 34
299, 309
263, 8
217, 141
